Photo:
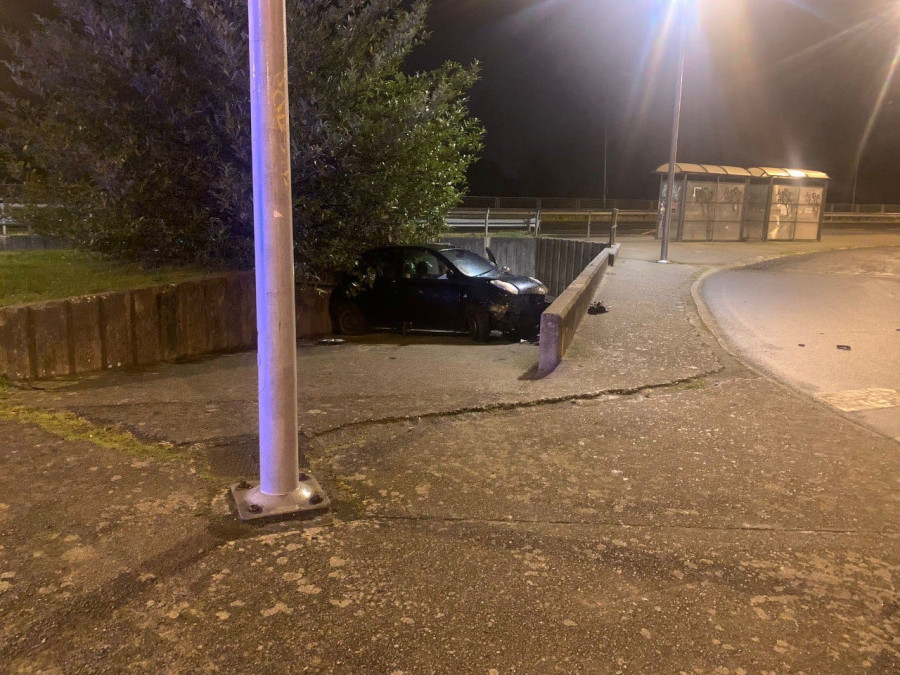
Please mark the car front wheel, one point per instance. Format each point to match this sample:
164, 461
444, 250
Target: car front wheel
478, 325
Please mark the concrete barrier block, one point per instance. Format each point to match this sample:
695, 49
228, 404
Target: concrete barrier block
613, 254
560, 320
84, 329
51, 338
192, 319
15, 362
550, 351
216, 309
115, 330
169, 326
145, 326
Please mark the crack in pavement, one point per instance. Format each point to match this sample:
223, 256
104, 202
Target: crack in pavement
635, 526
216, 441
519, 405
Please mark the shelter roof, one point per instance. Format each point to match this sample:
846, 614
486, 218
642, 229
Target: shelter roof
756, 172
711, 169
777, 172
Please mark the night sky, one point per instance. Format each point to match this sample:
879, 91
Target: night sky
788, 83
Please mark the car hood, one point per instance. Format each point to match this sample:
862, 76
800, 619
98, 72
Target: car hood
524, 284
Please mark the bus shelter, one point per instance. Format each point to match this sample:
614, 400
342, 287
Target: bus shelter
729, 203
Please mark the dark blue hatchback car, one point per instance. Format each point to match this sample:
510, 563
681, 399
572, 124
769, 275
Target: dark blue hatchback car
436, 287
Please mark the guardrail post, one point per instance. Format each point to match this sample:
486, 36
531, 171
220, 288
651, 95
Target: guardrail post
4, 230
537, 220
590, 216
613, 226
487, 221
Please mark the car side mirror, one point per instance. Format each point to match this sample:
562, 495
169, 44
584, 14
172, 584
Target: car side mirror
505, 270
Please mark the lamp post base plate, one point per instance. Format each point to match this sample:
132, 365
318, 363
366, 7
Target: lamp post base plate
307, 500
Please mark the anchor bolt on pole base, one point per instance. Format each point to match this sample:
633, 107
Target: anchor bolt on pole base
307, 500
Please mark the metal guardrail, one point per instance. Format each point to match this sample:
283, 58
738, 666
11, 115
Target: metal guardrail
560, 221
556, 203
834, 218
862, 208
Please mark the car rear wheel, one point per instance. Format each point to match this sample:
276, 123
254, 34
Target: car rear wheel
350, 320
478, 325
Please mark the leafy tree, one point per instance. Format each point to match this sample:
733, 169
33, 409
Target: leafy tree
134, 116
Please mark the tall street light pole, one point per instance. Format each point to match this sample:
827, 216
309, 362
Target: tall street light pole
282, 489
676, 124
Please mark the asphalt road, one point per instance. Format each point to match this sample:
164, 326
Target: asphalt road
827, 324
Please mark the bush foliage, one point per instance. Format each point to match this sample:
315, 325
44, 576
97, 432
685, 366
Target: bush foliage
134, 116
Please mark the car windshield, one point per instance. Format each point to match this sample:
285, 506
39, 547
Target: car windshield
470, 264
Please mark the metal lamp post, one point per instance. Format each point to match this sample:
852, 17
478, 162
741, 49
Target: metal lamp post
282, 489
676, 124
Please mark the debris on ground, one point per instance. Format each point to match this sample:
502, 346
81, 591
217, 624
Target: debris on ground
846, 348
330, 341
597, 308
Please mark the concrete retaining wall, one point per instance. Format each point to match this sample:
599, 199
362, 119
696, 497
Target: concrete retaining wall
556, 262
559, 261
141, 327
562, 318
517, 253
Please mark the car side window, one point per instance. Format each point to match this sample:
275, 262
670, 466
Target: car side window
383, 264
419, 264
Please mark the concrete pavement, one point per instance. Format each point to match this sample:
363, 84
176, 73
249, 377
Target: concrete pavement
653, 506
828, 324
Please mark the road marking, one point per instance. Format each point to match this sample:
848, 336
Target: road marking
853, 400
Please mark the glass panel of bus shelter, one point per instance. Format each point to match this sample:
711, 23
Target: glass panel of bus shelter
729, 209
699, 210
783, 212
695, 230
808, 212
810, 203
724, 230
755, 213
753, 230
729, 201
676, 210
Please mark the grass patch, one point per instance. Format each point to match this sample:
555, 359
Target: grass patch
31, 276
71, 427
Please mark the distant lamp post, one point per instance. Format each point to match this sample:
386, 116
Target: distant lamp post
676, 124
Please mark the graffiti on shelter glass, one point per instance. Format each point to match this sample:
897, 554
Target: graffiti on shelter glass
733, 196
706, 197
787, 204
814, 201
